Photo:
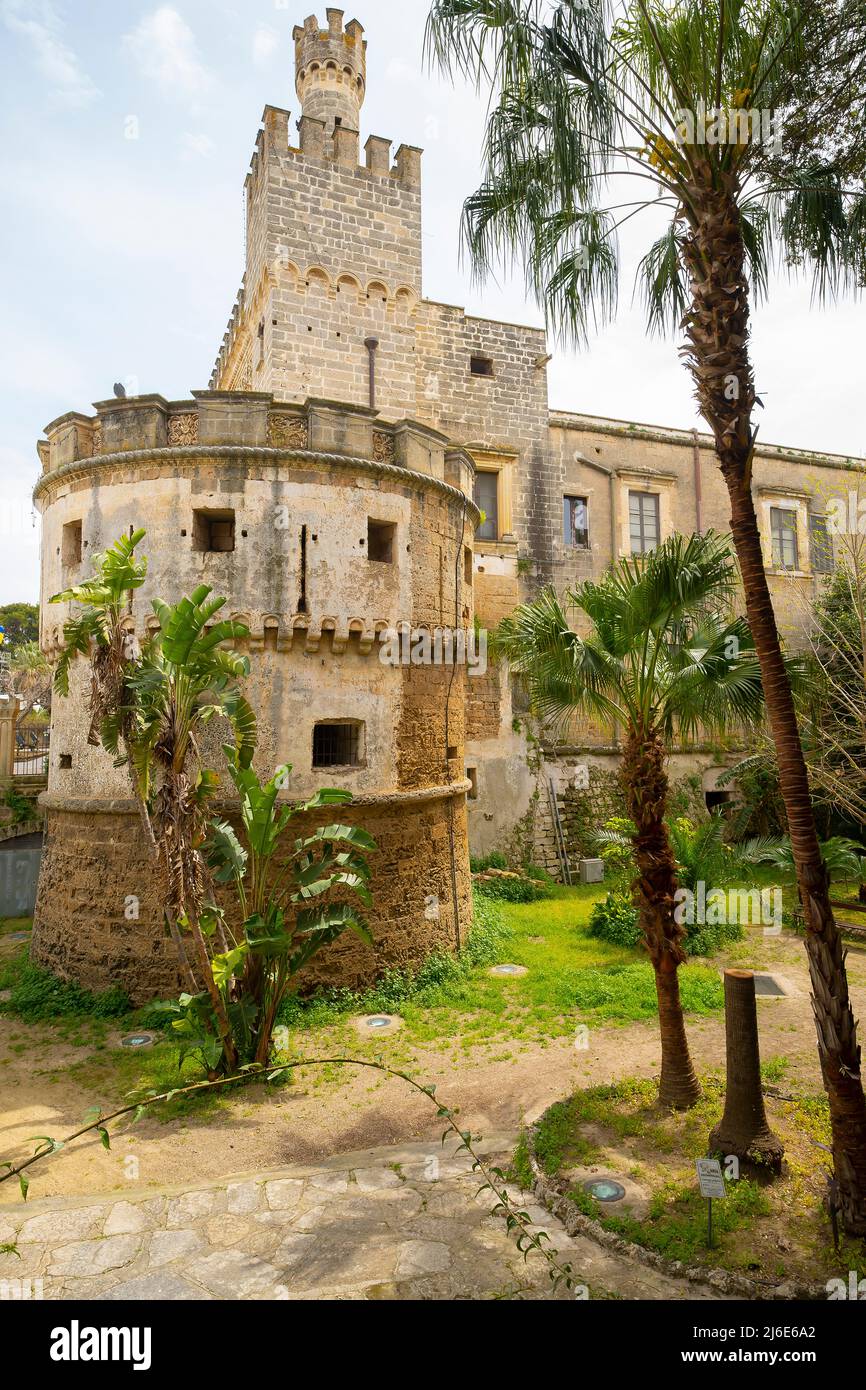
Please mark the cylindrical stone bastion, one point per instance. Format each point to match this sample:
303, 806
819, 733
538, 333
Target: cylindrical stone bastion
326, 529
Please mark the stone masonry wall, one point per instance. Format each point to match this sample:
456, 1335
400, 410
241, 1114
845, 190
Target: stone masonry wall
95, 862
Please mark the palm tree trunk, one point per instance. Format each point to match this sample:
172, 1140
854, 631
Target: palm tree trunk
744, 1129
717, 327
646, 788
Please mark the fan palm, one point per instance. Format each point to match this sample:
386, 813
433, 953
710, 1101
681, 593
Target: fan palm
701, 852
663, 96
842, 857
661, 658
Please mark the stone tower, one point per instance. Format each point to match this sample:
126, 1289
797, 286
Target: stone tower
303, 489
330, 71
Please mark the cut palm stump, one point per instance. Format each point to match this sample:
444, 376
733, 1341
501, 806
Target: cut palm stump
743, 1130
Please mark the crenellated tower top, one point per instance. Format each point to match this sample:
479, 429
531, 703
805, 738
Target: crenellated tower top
330, 71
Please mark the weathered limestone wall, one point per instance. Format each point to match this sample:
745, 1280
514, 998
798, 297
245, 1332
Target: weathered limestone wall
301, 486
682, 470
94, 862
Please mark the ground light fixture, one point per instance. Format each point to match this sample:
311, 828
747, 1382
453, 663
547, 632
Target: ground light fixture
604, 1189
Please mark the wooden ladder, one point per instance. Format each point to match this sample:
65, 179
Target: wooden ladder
561, 850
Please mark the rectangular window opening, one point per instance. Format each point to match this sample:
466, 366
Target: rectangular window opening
486, 497
820, 544
338, 743
467, 566
783, 534
575, 522
70, 552
381, 536
643, 521
472, 776
213, 530
479, 365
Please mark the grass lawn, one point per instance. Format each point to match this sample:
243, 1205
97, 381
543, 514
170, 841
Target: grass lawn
454, 1005
771, 1229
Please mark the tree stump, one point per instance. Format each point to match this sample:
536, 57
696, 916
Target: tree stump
743, 1129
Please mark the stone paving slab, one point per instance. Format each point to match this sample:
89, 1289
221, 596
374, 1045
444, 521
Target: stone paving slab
403, 1223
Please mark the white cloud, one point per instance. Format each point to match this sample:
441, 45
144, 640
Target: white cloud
265, 43
164, 49
39, 25
196, 145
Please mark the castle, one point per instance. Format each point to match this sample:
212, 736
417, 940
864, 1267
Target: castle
420, 478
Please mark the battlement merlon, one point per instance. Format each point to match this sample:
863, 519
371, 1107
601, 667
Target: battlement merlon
341, 148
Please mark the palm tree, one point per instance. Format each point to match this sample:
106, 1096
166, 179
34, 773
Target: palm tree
31, 677
101, 629
146, 709
661, 658
660, 97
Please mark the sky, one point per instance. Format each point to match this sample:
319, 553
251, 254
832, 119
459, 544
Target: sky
126, 131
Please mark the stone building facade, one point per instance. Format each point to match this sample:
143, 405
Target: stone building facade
343, 395
332, 303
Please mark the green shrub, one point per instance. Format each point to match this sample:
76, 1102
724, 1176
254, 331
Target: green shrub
395, 988
496, 860
535, 871
616, 920
516, 889
37, 994
21, 806
703, 939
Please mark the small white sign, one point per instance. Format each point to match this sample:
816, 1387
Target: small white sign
710, 1177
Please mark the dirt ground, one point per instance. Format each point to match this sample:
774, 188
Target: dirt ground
312, 1119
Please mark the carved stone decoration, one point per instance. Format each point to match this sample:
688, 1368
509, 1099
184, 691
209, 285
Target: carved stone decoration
97, 439
383, 447
287, 431
183, 429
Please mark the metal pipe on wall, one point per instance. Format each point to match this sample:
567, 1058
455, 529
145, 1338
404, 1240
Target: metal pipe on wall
371, 344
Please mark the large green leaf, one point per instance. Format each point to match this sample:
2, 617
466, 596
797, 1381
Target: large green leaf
224, 853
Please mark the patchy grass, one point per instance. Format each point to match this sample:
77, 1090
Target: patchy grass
450, 1003
572, 977
772, 1229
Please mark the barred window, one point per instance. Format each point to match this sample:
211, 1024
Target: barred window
338, 743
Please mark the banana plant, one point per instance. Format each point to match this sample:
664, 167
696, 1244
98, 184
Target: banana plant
185, 678
286, 893
100, 629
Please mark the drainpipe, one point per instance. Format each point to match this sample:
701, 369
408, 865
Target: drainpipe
371, 344
610, 473
696, 467
614, 546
